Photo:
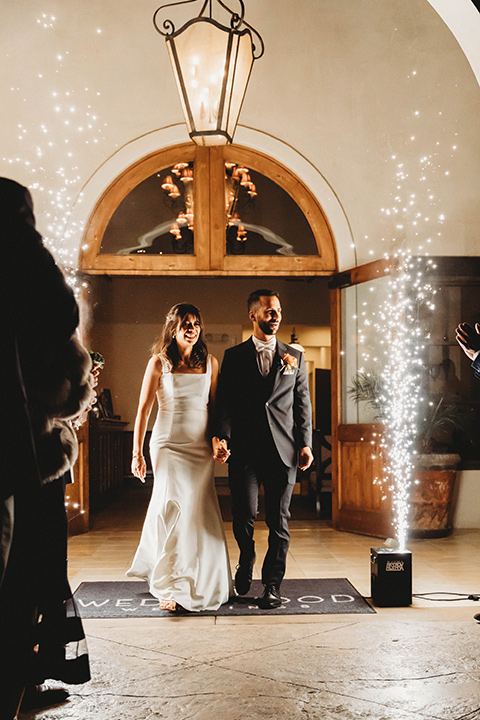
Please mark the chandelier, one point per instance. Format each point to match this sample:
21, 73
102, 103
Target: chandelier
212, 65
239, 189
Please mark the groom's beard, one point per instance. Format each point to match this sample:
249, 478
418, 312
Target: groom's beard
266, 328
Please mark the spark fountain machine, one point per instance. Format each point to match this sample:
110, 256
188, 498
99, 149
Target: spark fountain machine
391, 577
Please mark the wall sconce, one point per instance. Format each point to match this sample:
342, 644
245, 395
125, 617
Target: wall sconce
212, 65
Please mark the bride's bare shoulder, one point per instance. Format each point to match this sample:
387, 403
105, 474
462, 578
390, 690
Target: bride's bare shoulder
156, 365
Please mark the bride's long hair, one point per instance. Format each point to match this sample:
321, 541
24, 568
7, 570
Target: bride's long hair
166, 345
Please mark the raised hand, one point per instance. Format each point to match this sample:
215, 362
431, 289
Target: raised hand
468, 338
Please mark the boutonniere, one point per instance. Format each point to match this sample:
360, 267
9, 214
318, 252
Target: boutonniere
289, 365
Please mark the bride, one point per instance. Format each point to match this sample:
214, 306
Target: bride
182, 552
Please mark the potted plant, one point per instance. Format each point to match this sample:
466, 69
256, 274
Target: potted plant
433, 488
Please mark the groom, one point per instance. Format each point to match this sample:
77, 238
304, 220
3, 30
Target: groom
264, 427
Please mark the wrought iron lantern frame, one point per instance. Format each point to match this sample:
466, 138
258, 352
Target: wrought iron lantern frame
238, 28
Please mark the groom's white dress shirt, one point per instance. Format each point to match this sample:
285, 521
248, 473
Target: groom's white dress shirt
265, 352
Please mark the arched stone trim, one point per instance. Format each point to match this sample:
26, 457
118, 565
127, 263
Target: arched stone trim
463, 20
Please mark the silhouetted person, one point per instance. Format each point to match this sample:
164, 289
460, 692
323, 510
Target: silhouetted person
44, 380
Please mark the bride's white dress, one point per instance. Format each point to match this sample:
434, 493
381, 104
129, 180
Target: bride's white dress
182, 552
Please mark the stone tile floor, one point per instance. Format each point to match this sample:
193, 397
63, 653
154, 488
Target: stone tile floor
402, 663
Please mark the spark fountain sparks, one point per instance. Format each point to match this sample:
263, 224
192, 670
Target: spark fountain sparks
401, 379
394, 326
58, 122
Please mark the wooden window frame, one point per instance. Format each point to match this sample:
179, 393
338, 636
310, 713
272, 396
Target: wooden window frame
209, 256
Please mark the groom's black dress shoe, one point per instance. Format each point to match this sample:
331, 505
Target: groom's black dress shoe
243, 577
37, 697
271, 598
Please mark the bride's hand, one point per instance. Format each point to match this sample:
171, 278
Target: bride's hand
139, 467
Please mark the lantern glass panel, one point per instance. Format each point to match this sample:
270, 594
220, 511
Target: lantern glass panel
240, 68
211, 65
200, 71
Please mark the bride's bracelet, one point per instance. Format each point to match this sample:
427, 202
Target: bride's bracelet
137, 456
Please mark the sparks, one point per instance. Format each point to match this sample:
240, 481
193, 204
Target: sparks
69, 122
392, 329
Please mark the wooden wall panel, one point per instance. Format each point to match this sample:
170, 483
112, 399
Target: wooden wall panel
360, 507
77, 493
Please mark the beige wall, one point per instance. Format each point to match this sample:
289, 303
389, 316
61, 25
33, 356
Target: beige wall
467, 507
127, 315
343, 85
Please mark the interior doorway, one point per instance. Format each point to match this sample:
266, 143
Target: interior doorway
207, 226
127, 315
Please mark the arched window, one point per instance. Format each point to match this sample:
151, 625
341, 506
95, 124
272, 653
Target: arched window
209, 211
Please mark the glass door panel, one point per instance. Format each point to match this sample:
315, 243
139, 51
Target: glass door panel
362, 346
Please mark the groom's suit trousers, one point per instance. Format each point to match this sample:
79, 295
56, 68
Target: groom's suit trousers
265, 420
245, 478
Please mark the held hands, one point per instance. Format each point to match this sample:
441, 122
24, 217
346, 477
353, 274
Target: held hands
305, 458
221, 453
468, 338
139, 467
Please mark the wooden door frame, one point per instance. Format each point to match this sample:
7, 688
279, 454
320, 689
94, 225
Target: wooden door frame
362, 521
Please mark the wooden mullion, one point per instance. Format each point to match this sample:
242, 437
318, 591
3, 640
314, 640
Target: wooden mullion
217, 209
371, 271
201, 208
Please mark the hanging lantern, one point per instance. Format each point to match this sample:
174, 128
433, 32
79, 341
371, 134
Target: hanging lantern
212, 65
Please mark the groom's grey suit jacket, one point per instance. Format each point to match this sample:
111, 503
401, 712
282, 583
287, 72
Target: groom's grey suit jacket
252, 409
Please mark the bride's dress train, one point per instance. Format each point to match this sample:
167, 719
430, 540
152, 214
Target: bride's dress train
182, 552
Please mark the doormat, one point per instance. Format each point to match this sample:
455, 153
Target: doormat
300, 597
